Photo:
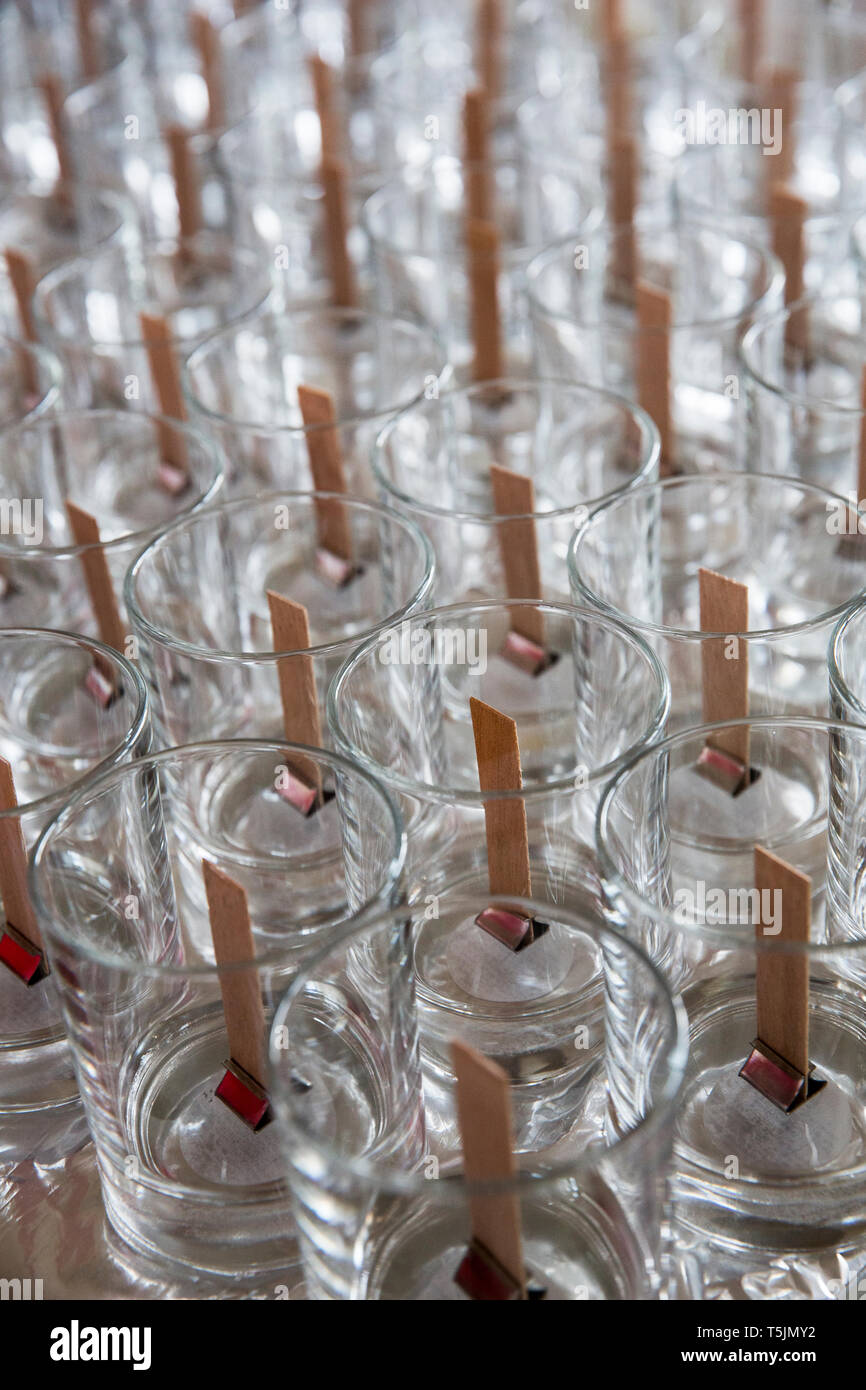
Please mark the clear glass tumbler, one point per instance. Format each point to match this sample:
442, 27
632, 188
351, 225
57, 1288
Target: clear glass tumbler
162, 1033
768, 1167
54, 736
390, 1223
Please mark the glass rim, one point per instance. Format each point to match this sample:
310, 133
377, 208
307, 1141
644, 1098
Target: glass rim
243, 259
422, 177
748, 349
838, 682
650, 445
685, 634
725, 936
392, 1180
49, 365
137, 726
418, 328
209, 448
273, 958
213, 513
605, 237
451, 796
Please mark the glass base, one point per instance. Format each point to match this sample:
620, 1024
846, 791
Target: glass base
749, 1177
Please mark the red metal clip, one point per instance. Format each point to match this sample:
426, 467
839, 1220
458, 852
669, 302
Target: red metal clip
100, 688
334, 569
783, 1085
20, 956
172, 479
725, 771
483, 1278
243, 1095
513, 929
527, 655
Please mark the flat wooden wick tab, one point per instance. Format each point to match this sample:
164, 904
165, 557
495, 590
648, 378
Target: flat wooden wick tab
493, 1267
724, 605
242, 1087
497, 753
165, 374
302, 787
778, 1065
21, 947
205, 37
514, 499
186, 186
22, 277
335, 556
653, 366
489, 42
476, 124
85, 532
483, 256
335, 199
788, 214
53, 94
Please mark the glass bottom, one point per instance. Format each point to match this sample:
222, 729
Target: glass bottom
41, 1115
197, 1187
575, 1251
749, 1177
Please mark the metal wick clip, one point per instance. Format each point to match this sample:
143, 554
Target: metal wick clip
783, 1085
100, 688
244, 1096
20, 956
304, 795
482, 1277
527, 655
334, 569
513, 929
172, 479
725, 771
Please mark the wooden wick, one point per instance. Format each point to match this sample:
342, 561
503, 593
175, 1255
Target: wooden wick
623, 193
514, 498
301, 724
13, 864
206, 40
654, 323
52, 91
788, 213
611, 21
861, 450
782, 980
782, 87
724, 607
165, 374
359, 42
489, 47
241, 993
335, 199
483, 1096
326, 466
322, 78
88, 42
482, 244
751, 23
97, 577
476, 154
22, 276
497, 753
185, 185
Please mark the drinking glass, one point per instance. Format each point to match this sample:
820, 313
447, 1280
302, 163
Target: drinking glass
394, 1224
576, 444
197, 597
638, 558
54, 737
767, 1194
152, 1019
241, 386
587, 328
